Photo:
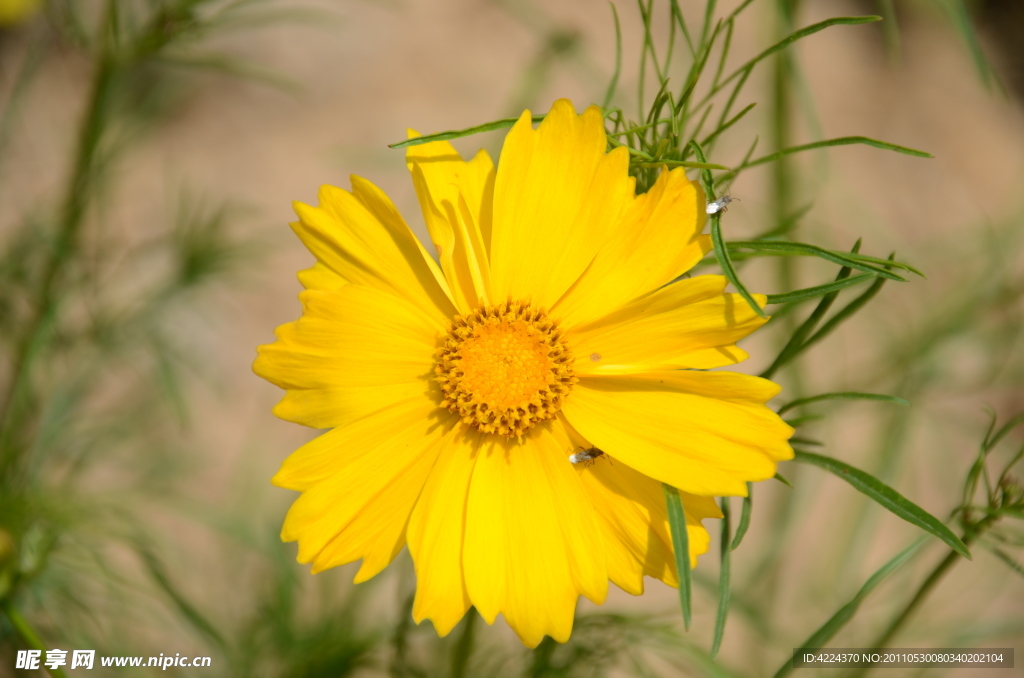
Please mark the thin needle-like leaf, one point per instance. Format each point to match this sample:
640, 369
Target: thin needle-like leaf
797, 342
681, 547
789, 248
846, 313
724, 584
721, 252
456, 134
741, 529
841, 141
844, 395
819, 290
826, 631
886, 497
787, 41
723, 126
614, 83
1009, 560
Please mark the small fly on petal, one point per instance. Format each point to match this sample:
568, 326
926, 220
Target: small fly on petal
720, 205
586, 456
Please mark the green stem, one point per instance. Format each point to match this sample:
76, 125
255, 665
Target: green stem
464, 648
784, 510
28, 634
73, 208
400, 640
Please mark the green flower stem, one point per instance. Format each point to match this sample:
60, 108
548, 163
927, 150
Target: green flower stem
71, 216
784, 511
464, 648
27, 634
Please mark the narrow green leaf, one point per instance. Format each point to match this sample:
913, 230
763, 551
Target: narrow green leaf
993, 418
961, 19
27, 633
741, 529
806, 441
819, 290
697, 67
891, 30
843, 315
677, 14
455, 134
614, 83
681, 547
726, 125
887, 497
797, 342
716, 237
709, 13
787, 247
726, 44
724, 584
186, 608
1010, 561
681, 163
993, 440
797, 422
839, 141
782, 479
790, 39
826, 631
844, 395
887, 263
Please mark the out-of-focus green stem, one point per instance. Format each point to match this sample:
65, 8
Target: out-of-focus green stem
28, 634
46, 299
970, 535
464, 648
782, 187
782, 169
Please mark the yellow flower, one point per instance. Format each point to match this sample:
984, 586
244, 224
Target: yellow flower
457, 393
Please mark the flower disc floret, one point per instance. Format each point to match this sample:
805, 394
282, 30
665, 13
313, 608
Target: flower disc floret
505, 368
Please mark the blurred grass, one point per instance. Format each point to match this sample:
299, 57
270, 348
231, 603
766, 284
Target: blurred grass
97, 372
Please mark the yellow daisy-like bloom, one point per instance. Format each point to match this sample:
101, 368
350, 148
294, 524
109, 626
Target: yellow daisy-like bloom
457, 393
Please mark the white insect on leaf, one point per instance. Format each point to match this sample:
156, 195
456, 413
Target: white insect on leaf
720, 205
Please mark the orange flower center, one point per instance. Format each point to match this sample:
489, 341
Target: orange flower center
504, 368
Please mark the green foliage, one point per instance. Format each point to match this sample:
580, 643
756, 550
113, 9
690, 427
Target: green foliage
72, 477
886, 497
681, 549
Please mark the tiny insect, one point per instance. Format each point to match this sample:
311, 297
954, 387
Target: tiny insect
586, 456
720, 205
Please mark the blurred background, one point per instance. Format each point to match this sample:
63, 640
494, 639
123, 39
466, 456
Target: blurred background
146, 181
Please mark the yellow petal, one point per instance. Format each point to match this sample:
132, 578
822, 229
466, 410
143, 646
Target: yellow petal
361, 483
437, 530
456, 198
556, 197
355, 350
707, 433
688, 324
532, 544
653, 242
634, 523
319, 277
459, 244
362, 237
